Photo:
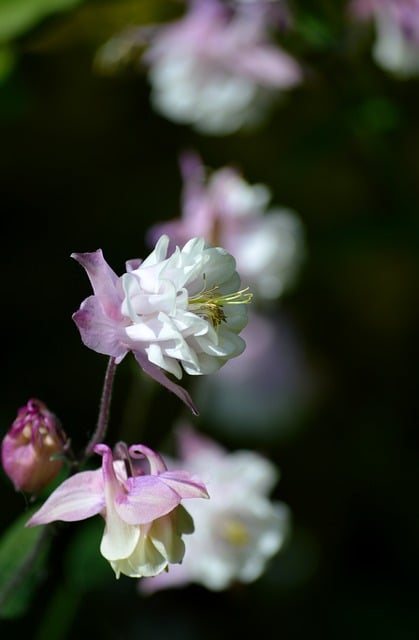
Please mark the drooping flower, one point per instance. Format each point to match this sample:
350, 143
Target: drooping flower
216, 68
144, 520
181, 312
267, 242
396, 24
239, 530
33, 449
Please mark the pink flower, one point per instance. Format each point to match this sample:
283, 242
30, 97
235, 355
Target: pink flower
267, 242
32, 450
181, 312
396, 23
142, 511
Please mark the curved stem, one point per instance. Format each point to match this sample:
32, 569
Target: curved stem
105, 403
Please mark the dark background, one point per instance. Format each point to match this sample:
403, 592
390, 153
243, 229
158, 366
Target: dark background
85, 163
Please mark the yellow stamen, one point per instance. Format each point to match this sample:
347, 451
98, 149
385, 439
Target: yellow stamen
209, 304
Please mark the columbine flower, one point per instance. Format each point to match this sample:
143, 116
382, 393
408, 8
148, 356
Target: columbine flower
143, 515
179, 312
217, 69
396, 47
32, 450
239, 530
267, 242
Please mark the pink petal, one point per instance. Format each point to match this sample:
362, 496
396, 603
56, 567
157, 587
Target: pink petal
98, 331
185, 484
77, 498
272, 66
103, 279
148, 498
158, 374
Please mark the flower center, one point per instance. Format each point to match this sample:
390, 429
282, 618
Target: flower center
235, 532
210, 305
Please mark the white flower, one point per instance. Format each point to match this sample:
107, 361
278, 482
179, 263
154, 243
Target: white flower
215, 71
396, 23
239, 529
178, 312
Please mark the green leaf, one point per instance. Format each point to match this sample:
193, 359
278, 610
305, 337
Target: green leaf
17, 16
23, 552
85, 567
7, 62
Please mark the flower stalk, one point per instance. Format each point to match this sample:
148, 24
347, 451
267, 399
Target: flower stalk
104, 410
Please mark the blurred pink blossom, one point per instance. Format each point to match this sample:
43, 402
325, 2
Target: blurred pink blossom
217, 68
396, 24
267, 241
268, 392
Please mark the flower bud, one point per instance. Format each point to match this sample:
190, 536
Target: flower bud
30, 449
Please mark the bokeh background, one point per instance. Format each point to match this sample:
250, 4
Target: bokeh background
85, 163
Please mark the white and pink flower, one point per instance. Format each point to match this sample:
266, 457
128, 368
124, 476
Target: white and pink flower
268, 242
175, 313
217, 69
144, 520
396, 24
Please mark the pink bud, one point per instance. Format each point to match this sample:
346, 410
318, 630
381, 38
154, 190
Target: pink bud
31, 448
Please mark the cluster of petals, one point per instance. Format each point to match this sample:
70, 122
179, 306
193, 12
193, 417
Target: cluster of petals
239, 529
175, 313
217, 69
267, 242
396, 24
144, 520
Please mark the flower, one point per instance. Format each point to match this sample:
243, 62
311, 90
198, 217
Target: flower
396, 22
239, 529
32, 449
268, 243
216, 68
274, 372
143, 515
182, 312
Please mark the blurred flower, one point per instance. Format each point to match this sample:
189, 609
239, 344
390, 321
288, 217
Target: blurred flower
268, 244
274, 373
32, 450
216, 68
239, 530
185, 309
143, 515
396, 47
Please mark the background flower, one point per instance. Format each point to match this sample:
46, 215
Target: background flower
217, 71
240, 529
396, 33
267, 241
